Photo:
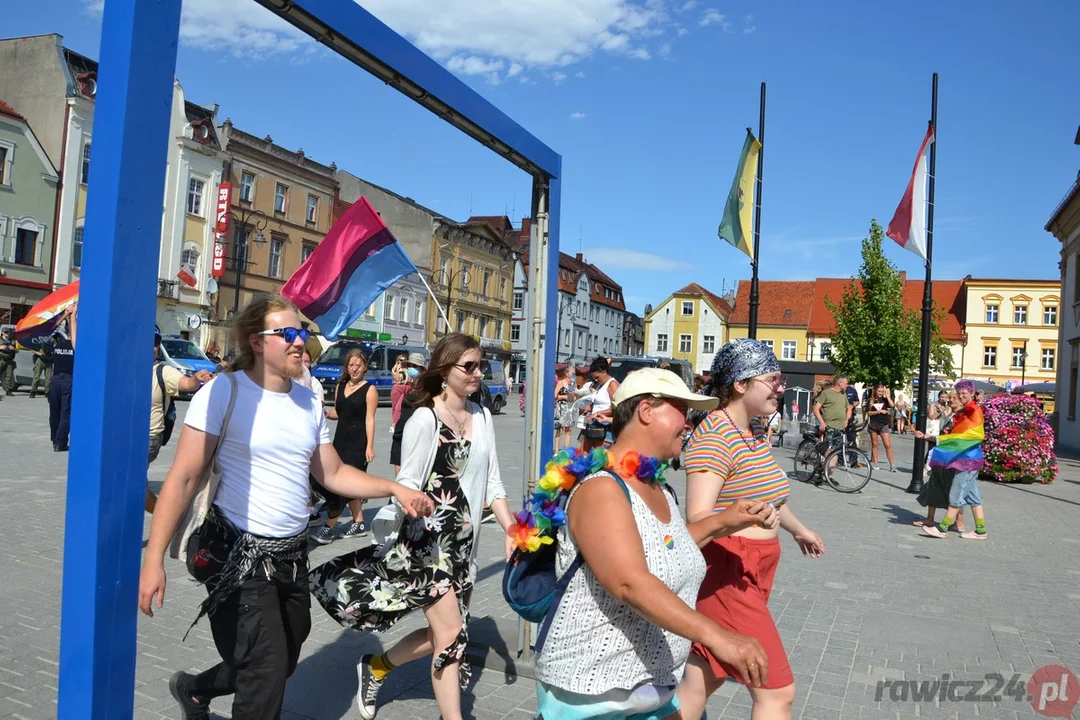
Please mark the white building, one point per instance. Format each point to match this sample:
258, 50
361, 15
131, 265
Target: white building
691, 325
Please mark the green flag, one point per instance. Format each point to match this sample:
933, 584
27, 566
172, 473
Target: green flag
737, 225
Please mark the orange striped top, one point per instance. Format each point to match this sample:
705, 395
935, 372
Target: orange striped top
746, 464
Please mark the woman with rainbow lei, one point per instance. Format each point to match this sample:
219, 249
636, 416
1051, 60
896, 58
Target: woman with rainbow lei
616, 643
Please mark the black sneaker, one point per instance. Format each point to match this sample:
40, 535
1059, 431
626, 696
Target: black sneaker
324, 535
368, 691
355, 529
190, 708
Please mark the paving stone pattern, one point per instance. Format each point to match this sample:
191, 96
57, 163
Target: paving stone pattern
883, 603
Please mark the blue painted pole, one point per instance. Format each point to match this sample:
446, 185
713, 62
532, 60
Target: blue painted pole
551, 328
110, 404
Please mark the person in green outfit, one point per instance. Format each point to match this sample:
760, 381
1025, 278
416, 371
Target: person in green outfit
7, 361
42, 368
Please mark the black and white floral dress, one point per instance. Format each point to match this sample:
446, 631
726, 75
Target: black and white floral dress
430, 557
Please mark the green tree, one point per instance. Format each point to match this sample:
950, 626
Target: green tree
877, 339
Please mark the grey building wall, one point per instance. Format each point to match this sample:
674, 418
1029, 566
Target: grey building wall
34, 80
412, 224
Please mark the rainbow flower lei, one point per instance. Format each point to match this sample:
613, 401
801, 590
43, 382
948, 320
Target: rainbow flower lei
545, 512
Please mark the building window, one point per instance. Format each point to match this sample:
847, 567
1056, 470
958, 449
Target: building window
989, 356
76, 248
1048, 358
515, 333
388, 307
519, 300
464, 277
84, 172
247, 186
26, 247
370, 312
688, 307
498, 330
312, 208
1018, 357
240, 250
483, 326
460, 321
661, 342
992, 314
277, 246
1074, 375
3, 166
487, 283
502, 288
605, 346
566, 339
419, 310
280, 195
686, 343
305, 252
403, 308
826, 350
189, 261
1050, 315
790, 350
708, 344
769, 344
1020, 315
195, 196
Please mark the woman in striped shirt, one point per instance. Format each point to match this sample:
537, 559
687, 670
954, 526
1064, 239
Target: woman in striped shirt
726, 462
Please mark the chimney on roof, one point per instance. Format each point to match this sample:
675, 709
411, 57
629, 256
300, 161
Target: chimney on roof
579, 258
903, 276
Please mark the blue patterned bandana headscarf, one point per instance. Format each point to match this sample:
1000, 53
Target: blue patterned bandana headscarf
742, 359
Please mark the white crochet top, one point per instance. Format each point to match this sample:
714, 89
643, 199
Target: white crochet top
597, 643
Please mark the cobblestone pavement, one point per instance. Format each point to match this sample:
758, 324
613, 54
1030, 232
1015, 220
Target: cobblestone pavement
883, 603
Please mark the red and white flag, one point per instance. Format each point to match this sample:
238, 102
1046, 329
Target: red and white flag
908, 226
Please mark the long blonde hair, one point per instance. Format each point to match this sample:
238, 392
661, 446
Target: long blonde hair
251, 320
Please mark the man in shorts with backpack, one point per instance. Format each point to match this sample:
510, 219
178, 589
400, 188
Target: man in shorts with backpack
168, 384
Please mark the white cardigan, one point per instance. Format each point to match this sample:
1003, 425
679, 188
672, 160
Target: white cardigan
480, 480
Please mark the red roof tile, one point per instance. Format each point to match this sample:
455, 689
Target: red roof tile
6, 109
949, 294
781, 303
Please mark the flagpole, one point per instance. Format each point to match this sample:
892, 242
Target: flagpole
435, 300
927, 313
752, 330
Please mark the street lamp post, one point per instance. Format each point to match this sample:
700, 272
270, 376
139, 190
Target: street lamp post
569, 307
1023, 365
246, 219
444, 277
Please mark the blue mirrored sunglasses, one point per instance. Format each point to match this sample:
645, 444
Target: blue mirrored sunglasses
290, 334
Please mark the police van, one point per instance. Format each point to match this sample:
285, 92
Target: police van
185, 356
381, 357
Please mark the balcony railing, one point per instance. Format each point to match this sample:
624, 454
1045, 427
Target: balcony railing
167, 288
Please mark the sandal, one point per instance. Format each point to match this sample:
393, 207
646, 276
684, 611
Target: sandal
923, 523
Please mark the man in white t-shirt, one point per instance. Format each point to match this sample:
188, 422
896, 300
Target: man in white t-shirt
252, 550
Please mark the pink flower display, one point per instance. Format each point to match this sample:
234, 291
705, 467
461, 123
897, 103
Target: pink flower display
1019, 445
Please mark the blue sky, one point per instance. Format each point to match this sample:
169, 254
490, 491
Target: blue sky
648, 101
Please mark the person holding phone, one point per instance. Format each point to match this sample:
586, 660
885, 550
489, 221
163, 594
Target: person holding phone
878, 412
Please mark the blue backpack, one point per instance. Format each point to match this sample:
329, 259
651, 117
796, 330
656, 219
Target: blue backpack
529, 581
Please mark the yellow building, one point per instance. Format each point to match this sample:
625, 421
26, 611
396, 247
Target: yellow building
691, 325
1064, 224
783, 317
1012, 328
473, 280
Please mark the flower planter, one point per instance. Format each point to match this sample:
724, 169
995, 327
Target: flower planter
1019, 444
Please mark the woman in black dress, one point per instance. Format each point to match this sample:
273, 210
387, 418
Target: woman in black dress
355, 402
448, 452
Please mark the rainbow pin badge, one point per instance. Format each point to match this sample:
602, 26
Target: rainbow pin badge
669, 542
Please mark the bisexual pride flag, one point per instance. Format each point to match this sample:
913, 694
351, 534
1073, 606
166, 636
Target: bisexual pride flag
45, 318
357, 260
961, 448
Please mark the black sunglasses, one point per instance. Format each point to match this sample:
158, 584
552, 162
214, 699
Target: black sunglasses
469, 367
289, 334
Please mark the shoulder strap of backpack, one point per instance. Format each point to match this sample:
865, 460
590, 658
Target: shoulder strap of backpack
160, 372
564, 581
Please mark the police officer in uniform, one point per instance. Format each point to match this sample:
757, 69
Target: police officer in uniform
60, 390
42, 368
7, 361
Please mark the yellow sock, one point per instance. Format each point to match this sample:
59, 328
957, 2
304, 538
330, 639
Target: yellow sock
380, 666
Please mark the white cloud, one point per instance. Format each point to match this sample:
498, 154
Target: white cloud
558, 78
473, 65
579, 74
515, 70
681, 31
665, 50
689, 5
95, 7
711, 17
577, 116
749, 25
532, 34
622, 259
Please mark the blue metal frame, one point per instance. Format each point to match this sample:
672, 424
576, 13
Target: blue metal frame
107, 467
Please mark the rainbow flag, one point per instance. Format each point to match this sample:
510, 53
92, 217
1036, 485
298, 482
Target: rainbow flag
357, 260
45, 317
961, 449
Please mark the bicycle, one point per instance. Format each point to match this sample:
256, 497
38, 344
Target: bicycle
845, 467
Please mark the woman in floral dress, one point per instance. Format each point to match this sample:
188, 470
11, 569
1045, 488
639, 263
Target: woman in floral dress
448, 452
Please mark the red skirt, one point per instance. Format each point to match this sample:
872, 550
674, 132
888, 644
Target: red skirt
735, 595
